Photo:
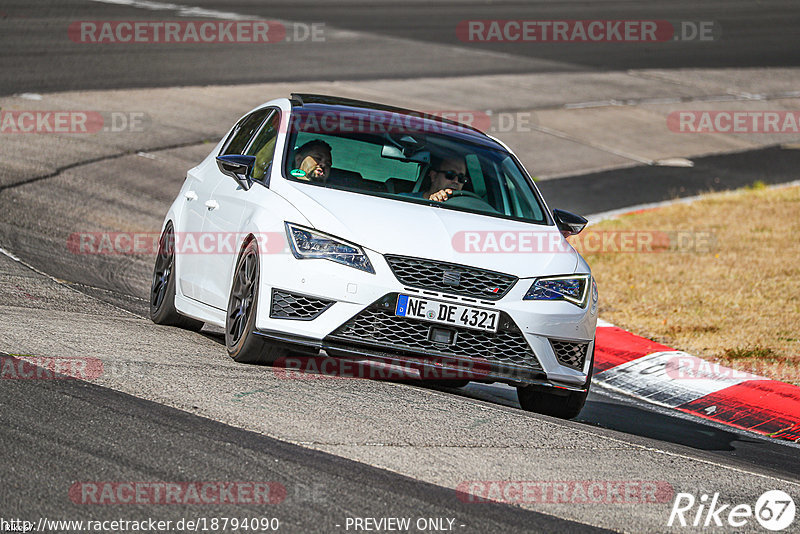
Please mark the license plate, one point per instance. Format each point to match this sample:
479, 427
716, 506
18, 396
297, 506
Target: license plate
446, 313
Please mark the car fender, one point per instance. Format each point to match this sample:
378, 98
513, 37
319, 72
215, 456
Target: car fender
264, 220
174, 214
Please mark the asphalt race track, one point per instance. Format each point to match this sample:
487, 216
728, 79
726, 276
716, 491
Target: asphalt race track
132, 440
170, 406
755, 35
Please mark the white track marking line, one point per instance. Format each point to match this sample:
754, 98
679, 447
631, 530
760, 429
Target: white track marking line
592, 144
672, 378
182, 11
330, 31
632, 444
64, 283
595, 218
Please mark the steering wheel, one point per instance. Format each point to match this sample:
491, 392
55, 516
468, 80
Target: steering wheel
470, 200
462, 193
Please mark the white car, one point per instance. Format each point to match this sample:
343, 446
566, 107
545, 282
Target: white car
375, 233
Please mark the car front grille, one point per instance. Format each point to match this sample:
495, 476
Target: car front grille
378, 326
287, 305
450, 277
570, 353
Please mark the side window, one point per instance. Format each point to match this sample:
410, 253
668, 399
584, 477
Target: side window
263, 145
243, 132
521, 201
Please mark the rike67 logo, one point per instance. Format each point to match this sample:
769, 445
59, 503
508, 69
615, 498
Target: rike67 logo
774, 510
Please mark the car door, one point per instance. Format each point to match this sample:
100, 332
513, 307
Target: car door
194, 273
227, 206
188, 227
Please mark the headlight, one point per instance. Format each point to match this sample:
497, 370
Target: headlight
572, 288
307, 243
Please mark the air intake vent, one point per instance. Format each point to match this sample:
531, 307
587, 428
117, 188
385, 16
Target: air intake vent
287, 305
570, 353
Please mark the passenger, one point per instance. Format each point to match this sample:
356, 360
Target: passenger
314, 159
444, 176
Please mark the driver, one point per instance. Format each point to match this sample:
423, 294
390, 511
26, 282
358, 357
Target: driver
314, 159
446, 175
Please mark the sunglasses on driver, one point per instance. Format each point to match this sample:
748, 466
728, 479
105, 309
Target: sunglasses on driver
453, 175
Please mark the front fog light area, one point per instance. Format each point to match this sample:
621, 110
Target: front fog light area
572, 288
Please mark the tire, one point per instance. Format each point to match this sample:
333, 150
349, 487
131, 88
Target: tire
162, 288
242, 344
563, 406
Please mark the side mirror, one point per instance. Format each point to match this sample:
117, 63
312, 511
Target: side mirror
569, 223
240, 168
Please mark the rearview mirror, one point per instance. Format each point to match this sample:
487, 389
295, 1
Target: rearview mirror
404, 154
240, 168
569, 223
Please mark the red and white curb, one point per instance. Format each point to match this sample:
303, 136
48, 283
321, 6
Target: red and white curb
659, 374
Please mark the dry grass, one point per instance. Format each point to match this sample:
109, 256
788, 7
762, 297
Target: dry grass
737, 303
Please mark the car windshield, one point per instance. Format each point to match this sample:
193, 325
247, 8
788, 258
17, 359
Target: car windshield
410, 164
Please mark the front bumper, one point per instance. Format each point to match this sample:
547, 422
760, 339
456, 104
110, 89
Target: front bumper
348, 313
377, 334
428, 367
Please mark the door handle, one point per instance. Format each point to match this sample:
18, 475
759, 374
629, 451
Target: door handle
212, 204
190, 195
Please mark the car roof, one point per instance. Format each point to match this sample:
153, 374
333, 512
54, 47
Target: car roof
427, 121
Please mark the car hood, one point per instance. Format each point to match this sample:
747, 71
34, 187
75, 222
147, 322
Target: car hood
390, 226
